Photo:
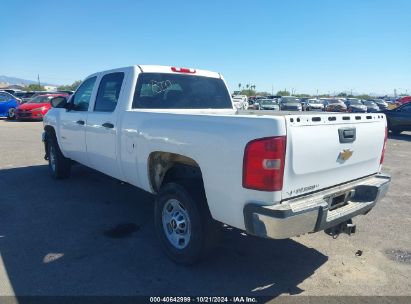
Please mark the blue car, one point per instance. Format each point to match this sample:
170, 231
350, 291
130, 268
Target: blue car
8, 105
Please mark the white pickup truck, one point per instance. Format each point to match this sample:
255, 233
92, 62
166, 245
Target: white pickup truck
175, 133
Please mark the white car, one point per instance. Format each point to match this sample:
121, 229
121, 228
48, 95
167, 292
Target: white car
240, 102
314, 105
175, 133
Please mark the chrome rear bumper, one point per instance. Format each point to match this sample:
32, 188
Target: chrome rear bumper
315, 212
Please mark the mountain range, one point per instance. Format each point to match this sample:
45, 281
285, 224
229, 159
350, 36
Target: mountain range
19, 81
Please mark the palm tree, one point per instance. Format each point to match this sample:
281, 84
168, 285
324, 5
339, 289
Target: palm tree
247, 86
239, 86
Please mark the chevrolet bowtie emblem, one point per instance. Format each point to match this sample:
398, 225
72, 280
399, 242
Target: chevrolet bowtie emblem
345, 154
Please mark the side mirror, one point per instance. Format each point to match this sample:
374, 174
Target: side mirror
59, 102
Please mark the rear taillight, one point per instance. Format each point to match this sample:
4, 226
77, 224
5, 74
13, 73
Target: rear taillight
263, 165
385, 144
183, 70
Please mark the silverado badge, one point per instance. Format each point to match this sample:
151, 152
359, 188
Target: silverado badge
345, 154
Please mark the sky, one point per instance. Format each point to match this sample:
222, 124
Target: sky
362, 46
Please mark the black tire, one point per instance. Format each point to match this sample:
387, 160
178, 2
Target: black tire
395, 131
203, 229
59, 166
11, 114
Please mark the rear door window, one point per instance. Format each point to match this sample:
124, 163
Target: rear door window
108, 92
177, 91
406, 108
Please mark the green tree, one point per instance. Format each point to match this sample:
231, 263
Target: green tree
239, 86
363, 96
283, 93
248, 92
34, 87
342, 94
302, 95
71, 87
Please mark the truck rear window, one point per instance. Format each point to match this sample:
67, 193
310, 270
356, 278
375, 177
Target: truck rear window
176, 91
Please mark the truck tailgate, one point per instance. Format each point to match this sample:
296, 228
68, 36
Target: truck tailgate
325, 150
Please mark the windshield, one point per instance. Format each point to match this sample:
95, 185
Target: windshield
315, 101
40, 99
19, 94
369, 103
177, 91
268, 102
289, 100
354, 102
334, 101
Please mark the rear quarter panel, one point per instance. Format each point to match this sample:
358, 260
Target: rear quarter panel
215, 142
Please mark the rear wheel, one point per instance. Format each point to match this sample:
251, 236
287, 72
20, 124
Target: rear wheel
59, 166
395, 131
11, 114
183, 222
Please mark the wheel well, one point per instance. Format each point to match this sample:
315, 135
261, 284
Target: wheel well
165, 167
49, 129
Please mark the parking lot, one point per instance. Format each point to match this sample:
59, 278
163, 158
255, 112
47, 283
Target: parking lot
92, 235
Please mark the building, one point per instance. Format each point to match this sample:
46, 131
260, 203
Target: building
50, 88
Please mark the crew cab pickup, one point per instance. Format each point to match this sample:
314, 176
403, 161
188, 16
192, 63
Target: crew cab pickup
174, 132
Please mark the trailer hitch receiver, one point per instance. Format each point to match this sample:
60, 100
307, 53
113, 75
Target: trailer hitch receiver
345, 227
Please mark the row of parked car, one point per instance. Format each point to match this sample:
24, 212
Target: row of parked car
291, 103
398, 117
29, 105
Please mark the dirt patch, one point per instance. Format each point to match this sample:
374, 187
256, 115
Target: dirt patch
399, 255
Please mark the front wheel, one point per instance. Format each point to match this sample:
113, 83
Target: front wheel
183, 222
11, 114
392, 129
59, 166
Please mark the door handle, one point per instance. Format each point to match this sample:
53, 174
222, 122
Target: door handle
108, 125
347, 135
80, 122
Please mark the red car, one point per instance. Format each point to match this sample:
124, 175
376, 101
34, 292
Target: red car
37, 107
403, 100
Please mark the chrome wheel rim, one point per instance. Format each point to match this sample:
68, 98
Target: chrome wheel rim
52, 158
12, 112
176, 224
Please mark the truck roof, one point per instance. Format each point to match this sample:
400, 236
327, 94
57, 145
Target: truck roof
163, 69
172, 70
